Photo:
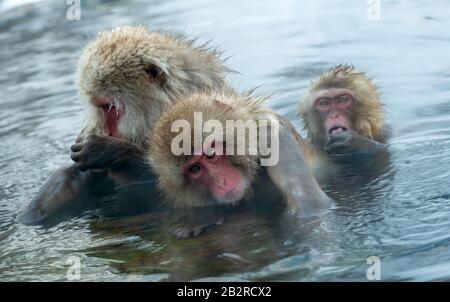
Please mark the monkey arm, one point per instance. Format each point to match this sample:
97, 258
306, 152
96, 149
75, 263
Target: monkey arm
318, 160
121, 157
73, 190
68, 193
350, 142
292, 175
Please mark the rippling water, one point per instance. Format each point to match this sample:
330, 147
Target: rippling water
401, 216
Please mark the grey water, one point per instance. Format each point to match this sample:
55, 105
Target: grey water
401, 215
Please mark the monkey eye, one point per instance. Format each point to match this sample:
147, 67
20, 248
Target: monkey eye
155, 74
323, 102
195, 169
151, 71
343, 99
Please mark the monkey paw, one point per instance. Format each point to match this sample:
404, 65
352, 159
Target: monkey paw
187, 232
350, 142
194, 229
342, 142
90, 153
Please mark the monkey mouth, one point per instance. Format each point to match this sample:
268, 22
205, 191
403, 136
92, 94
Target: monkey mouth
335, 129
113, 111
233, 195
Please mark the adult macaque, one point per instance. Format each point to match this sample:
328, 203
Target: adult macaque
213, 174
343, 116
127, 77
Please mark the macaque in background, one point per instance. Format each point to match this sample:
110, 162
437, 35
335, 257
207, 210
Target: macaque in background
127, 77
343, 117
212, 178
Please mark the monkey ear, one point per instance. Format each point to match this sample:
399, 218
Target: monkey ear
155, 74
222, 105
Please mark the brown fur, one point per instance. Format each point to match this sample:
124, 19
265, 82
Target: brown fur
367, 107
168, 166
114, 64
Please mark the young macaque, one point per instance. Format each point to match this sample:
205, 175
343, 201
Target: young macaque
127, 77
231, 150
343, 116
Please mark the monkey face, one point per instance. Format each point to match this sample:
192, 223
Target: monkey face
130, 75
212, 172
122, 107
216, 175
112, 111
334, 109
121, 77
342, 99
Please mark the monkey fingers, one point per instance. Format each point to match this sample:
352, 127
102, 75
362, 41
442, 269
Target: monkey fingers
121, 157
192, 230
196, 224
187, 232
341, 143
91, 153
350, 142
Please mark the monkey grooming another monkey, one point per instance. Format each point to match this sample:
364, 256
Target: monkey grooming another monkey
214, 175
343, 116
126, 77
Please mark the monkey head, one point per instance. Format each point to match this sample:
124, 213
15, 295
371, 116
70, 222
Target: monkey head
211, 175
129, 75
342, 99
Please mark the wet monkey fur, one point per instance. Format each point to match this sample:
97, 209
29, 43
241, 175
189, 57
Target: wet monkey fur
212, 177
126, 77
343, 117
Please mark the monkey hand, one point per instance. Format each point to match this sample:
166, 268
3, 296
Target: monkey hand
89, 153
188, 231
101, 152
350, 142
194, 225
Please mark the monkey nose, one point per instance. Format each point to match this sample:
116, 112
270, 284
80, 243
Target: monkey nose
219, 181
335, 115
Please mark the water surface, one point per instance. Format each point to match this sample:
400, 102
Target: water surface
401, 215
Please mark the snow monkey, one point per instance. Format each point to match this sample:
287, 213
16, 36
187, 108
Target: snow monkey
214, 174
343, 115
126, 77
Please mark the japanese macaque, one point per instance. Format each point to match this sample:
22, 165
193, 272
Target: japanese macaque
126, 77
214, 174
343, 115
342, 112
